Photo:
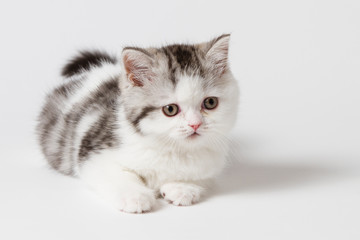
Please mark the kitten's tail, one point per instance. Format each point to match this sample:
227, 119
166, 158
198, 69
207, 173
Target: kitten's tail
86, 60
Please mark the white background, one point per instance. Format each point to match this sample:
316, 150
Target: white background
295, 170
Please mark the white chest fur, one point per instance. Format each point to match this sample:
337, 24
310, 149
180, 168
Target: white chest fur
158, 166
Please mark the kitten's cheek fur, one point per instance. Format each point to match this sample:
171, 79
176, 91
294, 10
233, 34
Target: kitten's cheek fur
181, 194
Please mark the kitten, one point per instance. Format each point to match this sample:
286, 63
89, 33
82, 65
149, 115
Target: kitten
153, 122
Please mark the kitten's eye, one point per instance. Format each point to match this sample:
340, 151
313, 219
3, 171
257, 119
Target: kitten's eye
170, 110
210, 102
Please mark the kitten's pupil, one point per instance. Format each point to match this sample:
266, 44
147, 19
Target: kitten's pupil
211, 101
170, 109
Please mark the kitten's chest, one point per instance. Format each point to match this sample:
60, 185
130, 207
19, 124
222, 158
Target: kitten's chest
157, 166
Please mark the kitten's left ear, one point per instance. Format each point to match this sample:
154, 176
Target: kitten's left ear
138, 64
216, 53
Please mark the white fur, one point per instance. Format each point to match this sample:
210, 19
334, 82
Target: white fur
181, 194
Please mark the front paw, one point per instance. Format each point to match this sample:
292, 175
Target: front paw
181, 194
136, 201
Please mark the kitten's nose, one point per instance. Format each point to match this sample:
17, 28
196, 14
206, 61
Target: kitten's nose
195, 126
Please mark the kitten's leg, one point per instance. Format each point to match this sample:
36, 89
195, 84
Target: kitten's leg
123, 189
182, 193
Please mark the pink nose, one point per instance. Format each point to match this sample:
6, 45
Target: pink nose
195, 126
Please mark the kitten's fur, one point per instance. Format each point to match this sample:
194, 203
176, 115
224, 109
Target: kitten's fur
105, 123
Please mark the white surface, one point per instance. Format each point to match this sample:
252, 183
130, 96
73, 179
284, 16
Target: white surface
295, 171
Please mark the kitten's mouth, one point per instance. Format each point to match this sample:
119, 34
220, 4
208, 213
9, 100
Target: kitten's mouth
194, 135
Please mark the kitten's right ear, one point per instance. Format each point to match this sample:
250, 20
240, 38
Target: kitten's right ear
137, 63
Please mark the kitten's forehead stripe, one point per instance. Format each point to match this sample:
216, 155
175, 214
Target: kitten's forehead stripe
184, 57
170, 65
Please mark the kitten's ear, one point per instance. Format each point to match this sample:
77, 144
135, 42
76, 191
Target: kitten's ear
216, 53
137, 63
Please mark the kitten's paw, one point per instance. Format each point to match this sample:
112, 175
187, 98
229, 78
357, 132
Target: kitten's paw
136, 201
181, 194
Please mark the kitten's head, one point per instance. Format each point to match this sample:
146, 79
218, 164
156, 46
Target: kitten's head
180, 94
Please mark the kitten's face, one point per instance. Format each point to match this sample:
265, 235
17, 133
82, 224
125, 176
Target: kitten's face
181, 94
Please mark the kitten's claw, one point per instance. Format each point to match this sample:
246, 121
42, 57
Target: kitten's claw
136, 202
181, 194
